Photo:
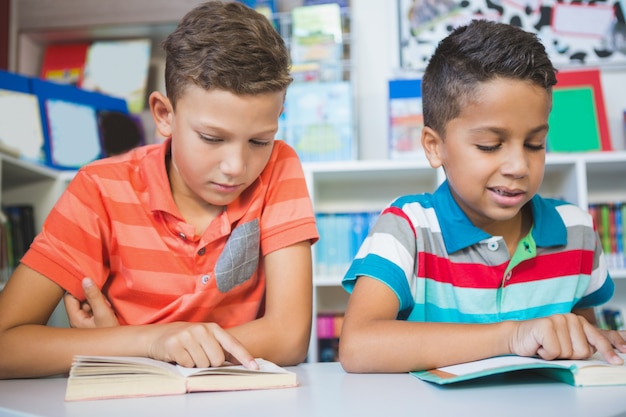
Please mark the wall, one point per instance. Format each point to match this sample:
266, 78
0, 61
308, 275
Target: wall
375, 34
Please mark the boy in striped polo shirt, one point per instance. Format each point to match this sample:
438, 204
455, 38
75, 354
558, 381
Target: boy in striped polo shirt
483, 266
197, 250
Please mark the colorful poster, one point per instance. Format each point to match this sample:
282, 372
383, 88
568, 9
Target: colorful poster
573, 33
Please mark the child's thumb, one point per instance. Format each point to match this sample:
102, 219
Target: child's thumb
92, 293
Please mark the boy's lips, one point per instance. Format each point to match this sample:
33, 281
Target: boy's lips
226, 187
505, 192
506, 196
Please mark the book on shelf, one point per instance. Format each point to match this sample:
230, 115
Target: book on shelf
70, 122
65, 63
266, 7
18, 232
101, 377
341, 3
610, 319
317, 36
594, 371
119, 68
341, 236
318, 121
406, 119
328, 331
578, 120
21, 130
608, 218
5, 249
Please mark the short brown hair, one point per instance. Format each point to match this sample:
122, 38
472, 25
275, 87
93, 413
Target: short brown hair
228, 46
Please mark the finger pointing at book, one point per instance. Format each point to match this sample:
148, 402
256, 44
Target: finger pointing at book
561, 336
197, 345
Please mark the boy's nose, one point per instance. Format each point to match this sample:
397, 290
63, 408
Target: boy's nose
234, 162
515, 163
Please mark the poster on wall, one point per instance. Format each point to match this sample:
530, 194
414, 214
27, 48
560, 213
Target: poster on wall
574, 33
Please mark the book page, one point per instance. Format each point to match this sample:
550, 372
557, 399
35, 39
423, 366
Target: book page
502, 363
265, 367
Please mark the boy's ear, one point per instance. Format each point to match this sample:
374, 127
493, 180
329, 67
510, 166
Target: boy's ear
431, 142
162, 113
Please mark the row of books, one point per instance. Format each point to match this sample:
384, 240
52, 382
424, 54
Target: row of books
319, 119
609, 318
315, 32
17, 231
341, 235
609, 219
328, 331
114, 67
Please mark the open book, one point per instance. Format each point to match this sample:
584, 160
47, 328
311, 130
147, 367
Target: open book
589, 372
99, 377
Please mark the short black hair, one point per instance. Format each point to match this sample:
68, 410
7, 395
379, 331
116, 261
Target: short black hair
472, 54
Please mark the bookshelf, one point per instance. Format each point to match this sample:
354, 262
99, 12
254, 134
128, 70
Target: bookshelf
367, 184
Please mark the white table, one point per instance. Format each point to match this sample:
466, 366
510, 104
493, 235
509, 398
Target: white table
326, 390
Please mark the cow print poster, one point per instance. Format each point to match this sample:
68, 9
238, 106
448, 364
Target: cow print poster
575, 33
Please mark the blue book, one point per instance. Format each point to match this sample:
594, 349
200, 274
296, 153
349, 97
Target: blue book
70, 122
319, 121
406, 119
21, 131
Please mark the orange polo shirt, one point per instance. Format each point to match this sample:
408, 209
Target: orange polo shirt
118, 224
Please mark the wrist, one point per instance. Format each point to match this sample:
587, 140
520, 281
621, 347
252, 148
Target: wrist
506, 334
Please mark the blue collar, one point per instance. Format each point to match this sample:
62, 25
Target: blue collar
458, 231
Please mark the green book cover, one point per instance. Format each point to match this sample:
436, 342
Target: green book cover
594, 371
573, 121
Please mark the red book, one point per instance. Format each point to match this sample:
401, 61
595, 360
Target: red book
65, 63
578, 81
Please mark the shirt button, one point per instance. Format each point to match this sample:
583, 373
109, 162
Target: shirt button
202, 251
493, 246
182, 235
508, 276
206, 278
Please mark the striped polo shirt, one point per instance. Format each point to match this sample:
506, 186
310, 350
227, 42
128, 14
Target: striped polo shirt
118, 224
444, 269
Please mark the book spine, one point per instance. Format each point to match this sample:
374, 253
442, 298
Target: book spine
619, 235
606, 229
623, 216
328, 332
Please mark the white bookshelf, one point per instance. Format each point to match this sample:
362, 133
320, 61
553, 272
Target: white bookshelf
353, 186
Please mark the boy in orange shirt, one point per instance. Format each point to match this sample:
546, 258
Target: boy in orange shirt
200, 245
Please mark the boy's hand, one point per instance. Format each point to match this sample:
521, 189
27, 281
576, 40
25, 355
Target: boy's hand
95, 311
563, 336
198, 345
188, 344
617, 339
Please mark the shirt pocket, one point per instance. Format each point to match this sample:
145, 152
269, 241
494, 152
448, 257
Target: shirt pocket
240, 257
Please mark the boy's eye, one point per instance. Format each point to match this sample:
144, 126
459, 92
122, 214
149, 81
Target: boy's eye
258, 142
488, 148
535, 147
210, 139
